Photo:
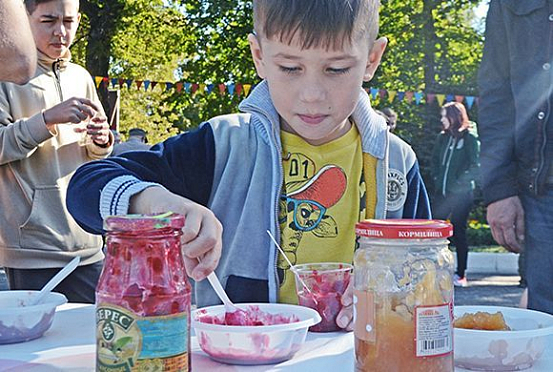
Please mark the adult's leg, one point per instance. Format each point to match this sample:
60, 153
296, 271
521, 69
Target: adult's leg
538, 212
441, 208
460, 209
79, 286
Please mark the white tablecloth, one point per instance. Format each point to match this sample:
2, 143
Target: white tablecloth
69, 345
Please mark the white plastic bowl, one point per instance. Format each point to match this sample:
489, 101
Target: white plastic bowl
22, 322
512, 350
248, 345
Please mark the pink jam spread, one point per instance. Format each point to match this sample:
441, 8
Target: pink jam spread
144, 271
250, 316
325, 297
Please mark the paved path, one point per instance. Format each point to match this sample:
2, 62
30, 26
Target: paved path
483, 289
489, 289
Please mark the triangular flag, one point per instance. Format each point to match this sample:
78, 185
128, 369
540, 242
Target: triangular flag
449, 98
201, 88
138, 83
168, 85
98, 80
209, 88
247, 88
470, 101
430, 97
222, 88
238, 89
187, 87
114, 82
418, 97
179, 86
154, 83
391, 95
146, 84
194, 88
129, 83
230, 89
400, 96
459, 99
409, 96
382, 93
440, 98
374, 92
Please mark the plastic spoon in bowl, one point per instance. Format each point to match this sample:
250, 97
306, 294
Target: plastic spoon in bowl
233, 314
52, 283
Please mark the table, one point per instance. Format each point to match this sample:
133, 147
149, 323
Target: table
69, 345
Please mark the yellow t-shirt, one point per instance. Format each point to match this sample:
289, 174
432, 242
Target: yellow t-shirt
323, 197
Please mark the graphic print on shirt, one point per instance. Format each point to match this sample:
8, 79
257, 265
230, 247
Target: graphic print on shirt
305, 206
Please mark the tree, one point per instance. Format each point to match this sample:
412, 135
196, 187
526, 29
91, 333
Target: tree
432, 48
140, 40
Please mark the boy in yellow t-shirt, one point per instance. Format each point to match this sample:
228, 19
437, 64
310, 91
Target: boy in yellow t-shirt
307, 159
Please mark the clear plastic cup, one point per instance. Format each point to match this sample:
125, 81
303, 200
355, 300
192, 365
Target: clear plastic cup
321, 288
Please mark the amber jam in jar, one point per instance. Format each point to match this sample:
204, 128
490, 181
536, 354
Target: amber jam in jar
143, 296
403, 296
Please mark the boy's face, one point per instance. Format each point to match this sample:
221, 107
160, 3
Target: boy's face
54, 25
315, 90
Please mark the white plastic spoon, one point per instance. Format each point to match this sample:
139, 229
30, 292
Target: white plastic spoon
52, 283
216, 284
292, 267
233, 314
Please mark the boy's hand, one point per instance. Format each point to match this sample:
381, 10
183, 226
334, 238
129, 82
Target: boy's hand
344, 319
98, 130
202, 232
73, 110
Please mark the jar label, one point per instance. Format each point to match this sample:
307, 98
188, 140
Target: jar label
364, 315
126, 342
434, 330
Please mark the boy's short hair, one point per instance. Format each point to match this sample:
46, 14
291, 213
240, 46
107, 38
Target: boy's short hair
32, 4
318, 23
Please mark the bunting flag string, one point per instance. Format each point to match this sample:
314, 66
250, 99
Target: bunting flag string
243, 89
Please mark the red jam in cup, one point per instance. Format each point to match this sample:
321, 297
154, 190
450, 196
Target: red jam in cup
320, 286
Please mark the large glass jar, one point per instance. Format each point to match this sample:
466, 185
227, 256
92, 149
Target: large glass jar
403, 296
143, 296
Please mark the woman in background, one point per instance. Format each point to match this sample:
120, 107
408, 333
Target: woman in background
455, 164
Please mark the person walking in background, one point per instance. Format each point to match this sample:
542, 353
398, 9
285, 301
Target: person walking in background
44, 139
137, 141
18, 54
454, 171
391, 118
516, 129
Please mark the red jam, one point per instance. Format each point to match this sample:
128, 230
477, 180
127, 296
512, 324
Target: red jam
325, 293
143, 296
251, 316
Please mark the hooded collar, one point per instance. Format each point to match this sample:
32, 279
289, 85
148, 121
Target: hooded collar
371, 126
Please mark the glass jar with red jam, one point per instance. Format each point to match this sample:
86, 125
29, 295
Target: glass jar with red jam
403, 296
143, 296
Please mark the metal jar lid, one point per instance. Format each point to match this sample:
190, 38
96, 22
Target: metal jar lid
143, 222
